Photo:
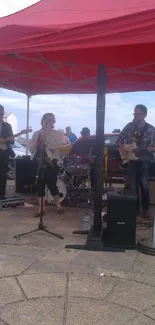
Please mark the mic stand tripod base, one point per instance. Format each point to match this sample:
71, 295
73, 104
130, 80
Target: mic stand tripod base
40, 227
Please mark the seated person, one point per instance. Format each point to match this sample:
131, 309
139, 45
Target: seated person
84, 144
85, 148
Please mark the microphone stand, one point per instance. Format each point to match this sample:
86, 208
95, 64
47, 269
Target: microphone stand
40, 173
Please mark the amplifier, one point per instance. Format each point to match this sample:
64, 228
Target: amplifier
25, 176
121, 219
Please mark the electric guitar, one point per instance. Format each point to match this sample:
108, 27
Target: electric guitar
4, 140
132, 152
127, 152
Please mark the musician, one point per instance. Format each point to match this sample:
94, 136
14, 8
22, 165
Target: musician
5, 151
49, 140
143, 134
85, 148
82, 146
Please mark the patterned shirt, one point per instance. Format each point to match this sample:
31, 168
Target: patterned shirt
132, 133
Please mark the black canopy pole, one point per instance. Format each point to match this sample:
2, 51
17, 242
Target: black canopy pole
100, 120
93, 242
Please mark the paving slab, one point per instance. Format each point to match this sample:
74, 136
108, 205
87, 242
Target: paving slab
14, 265
63, 255
41, 239
90, 286
141, 320
114, 260
144, 263
20, 228
116, 288
10, 291
10, 240
46, 311
91, 311
43, 285
145, 278
133, 295
151, 312
45, 266
26, 251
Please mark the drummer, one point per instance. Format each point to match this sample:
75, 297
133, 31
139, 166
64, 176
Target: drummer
84, 147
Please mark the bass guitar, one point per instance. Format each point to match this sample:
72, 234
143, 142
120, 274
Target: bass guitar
4, 140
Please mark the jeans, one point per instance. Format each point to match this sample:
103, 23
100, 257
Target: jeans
4, 159
138, 174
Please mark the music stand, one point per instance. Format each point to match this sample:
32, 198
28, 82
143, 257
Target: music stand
40, 172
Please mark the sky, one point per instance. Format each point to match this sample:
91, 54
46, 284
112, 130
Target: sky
74, 110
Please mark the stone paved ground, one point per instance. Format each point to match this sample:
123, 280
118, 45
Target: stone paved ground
42, 283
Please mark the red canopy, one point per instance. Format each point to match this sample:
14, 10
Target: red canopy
55, 46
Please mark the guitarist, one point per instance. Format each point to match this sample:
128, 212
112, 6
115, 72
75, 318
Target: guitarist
143, 134
5, 151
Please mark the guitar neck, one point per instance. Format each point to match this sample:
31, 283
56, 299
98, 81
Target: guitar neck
11, 137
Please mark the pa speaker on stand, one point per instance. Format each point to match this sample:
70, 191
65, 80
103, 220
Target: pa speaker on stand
121, 220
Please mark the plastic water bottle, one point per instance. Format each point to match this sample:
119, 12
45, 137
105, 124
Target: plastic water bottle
86, 222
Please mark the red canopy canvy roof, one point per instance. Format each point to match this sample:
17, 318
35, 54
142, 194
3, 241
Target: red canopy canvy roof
55, 46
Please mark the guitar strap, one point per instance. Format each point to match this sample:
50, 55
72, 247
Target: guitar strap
137, 136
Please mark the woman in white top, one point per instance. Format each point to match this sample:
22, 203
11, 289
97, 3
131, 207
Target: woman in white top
45, 146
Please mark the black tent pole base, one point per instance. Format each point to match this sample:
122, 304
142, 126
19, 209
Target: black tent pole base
147, 247
40, 227
93, 243
80, 232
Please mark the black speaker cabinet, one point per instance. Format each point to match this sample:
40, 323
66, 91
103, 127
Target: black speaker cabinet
25, 176
121, 219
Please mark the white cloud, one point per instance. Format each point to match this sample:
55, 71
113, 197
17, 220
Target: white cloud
75, 110
8, 7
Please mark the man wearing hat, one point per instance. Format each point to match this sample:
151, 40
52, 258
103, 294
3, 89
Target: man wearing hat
85, 133
83, 144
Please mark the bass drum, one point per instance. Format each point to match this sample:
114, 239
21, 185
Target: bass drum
62, 192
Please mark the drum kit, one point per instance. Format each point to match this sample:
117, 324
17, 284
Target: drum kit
73, 182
